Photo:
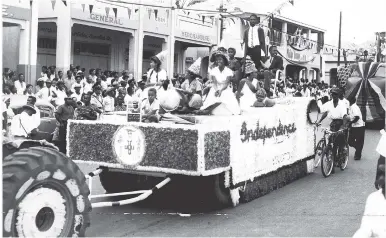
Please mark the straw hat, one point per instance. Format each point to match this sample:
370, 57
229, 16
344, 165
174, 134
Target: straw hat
195, 67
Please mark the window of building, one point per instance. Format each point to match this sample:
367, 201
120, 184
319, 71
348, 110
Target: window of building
91, 48
47, 43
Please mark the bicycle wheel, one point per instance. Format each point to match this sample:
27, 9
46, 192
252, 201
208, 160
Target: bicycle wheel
344, 155
327, 161
319, 152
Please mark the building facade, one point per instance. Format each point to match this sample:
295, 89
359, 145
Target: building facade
111, 36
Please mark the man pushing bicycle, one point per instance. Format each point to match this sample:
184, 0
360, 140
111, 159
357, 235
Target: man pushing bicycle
336, 110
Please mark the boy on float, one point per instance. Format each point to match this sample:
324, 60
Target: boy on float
150, 107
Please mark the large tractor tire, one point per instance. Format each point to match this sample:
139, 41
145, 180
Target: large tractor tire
44, 195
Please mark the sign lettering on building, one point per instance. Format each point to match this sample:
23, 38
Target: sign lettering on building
195, 36
106, 19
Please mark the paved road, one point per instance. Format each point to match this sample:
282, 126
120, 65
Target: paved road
312, 206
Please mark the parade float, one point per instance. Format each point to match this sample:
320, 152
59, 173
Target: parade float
366, 82
247, 155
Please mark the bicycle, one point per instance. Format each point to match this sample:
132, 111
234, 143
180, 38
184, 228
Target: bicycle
325, 149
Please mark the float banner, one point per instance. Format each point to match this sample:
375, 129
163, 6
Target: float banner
274, 138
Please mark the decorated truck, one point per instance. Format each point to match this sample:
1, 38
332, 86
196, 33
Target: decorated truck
239, 158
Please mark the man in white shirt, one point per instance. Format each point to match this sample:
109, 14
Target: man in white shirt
336, 111
357, 130
45, 93
109, 100
344, 100
254, 41
20, 84
35, 117
22, 125
59, 94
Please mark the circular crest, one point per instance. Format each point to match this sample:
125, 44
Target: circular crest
129, 145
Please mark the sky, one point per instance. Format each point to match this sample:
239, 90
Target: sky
360, 18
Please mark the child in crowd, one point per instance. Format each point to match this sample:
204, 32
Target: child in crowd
150, 107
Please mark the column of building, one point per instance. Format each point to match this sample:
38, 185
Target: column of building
63, 39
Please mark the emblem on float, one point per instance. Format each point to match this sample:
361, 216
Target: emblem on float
129, 145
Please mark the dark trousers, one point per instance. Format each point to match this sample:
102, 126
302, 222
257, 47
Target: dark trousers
62, 138
356, 139
255, 54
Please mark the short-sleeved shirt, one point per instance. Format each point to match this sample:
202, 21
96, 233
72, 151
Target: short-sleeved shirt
155, 77
337, 112
221, 77
65, 112
193, 87
354, 111
147, 106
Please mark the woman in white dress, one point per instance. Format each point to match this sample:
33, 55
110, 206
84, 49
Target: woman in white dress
248, 86
157, 77
221, 93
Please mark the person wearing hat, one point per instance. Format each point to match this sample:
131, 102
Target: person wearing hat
77, 93
262, 100
191, 88
109, 100
221, 91
22, 125
45, 93
248, 86
62, 115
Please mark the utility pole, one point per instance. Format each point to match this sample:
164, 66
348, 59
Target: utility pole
221, 9
340, 35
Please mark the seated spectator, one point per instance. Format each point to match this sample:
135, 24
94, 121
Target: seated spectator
150, 107
77, 94
140, 93
298, 92
120, 104
78, 83
88, 85
29, 90
20, 84
275, 63
96, 97
109, 100
87, 111
69, 81
262, 100
59, 94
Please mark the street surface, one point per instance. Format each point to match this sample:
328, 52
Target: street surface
312, 206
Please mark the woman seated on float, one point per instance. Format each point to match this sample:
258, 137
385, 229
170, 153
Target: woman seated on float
191, 89
221, 93
150, 107
262, 100
248, 86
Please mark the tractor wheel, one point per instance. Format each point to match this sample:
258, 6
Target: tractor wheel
44, 194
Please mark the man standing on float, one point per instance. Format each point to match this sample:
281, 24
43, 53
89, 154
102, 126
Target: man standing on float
254, 41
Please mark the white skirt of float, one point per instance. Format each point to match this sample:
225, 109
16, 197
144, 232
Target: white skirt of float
235, 196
